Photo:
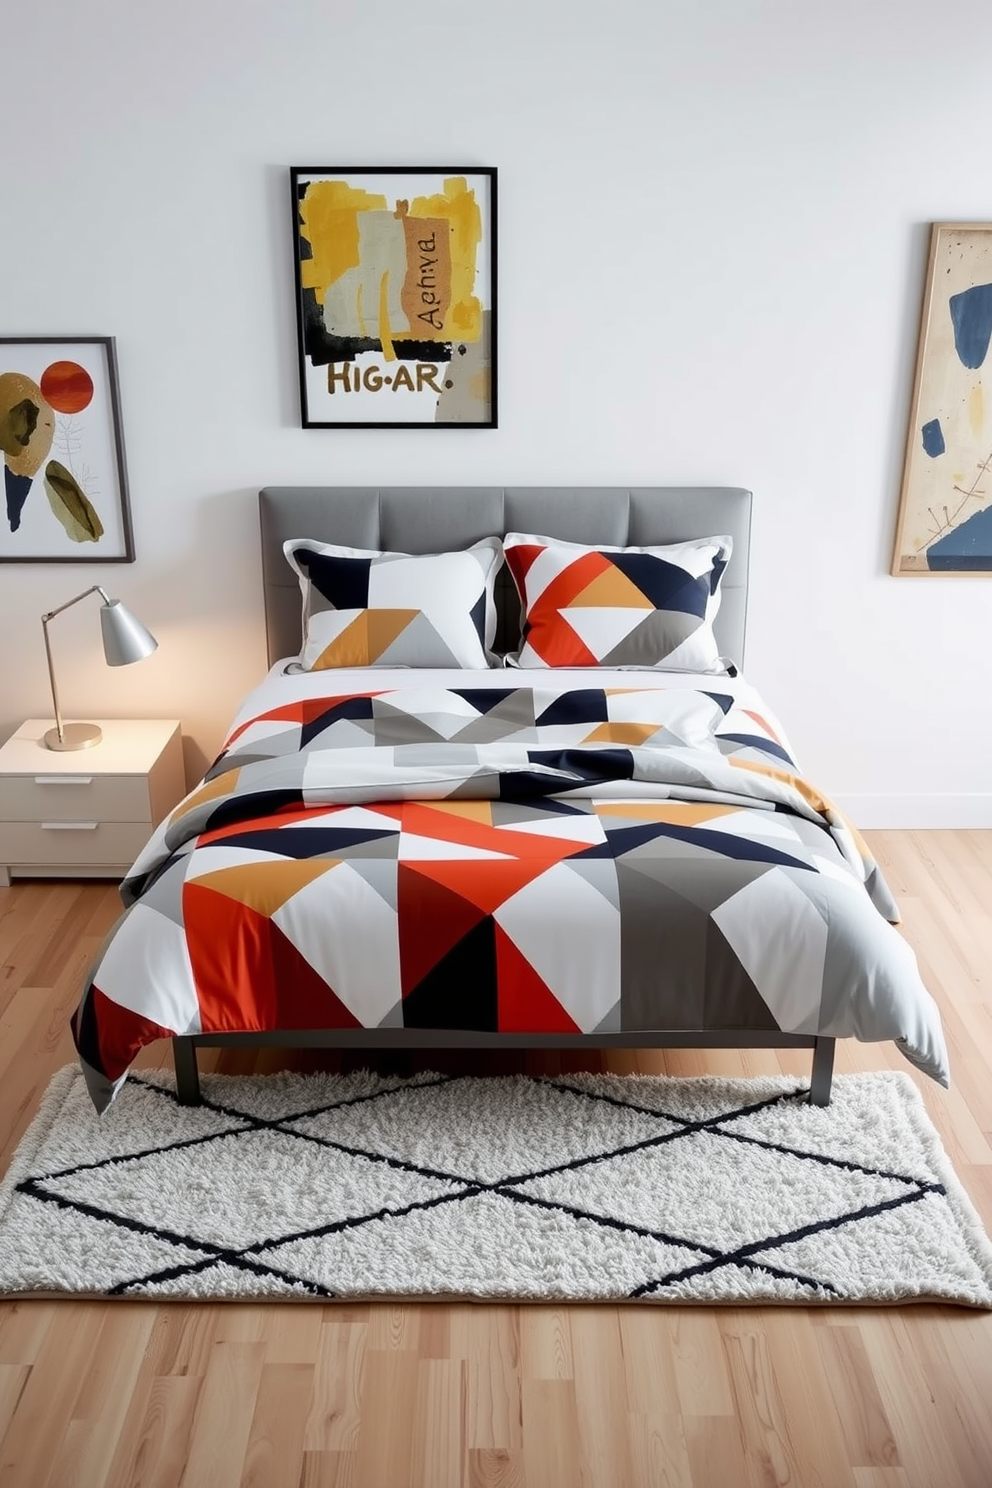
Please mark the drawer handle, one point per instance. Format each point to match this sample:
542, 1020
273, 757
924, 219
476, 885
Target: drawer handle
63, 780
70, 826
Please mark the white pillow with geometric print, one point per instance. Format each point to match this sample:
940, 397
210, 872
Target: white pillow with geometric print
631, 608
366, 608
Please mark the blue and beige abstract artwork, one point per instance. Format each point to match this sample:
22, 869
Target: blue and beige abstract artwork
945, 521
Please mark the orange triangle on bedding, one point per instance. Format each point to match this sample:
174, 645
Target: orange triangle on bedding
266, 885
612, 590
348, 649
621, 733
384, 626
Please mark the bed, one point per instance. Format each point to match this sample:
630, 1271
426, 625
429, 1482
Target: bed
533, 846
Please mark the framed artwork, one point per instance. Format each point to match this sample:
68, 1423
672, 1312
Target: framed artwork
396, 296
65, 480
945, 507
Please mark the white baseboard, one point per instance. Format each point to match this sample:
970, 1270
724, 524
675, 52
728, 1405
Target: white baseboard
918, 812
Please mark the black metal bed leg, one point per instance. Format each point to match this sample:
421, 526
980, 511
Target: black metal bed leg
823, 1069
187, 1074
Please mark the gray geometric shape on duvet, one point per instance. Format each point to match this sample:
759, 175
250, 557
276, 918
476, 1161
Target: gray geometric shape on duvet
381, 874
346, 733
611, 1021
662, 953
394, 1018
814, 837
277, 745
385, 849
166, 893
233, 761
482, 786
100, 1089
396, 726
418, 644
880, 894
730, 998
701, 877
508, 813
787, 968
457, 757
858, 956
511, 717
599, 874
656, 637
284, 744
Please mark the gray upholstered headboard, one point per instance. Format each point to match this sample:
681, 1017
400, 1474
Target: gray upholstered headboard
433, 519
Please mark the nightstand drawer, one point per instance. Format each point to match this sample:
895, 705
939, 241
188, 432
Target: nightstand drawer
70, 842
86, 813
76, 797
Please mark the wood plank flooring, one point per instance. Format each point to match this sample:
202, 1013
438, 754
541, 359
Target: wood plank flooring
133, 1395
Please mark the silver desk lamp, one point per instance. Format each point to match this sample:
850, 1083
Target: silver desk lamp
125, 639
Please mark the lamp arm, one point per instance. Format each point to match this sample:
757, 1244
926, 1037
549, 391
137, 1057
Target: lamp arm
95, 589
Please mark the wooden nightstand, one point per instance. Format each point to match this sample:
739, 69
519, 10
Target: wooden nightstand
88, 813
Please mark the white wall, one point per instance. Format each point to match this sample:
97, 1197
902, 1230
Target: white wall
713, 227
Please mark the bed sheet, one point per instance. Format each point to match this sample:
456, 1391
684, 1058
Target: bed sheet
556, 852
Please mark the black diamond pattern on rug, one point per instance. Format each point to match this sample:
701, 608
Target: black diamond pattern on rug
591, 1180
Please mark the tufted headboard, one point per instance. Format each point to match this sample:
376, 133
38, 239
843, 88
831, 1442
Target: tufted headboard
433, 519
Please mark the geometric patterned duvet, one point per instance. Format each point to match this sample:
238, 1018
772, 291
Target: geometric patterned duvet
583, 853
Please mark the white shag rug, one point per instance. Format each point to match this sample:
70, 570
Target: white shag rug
584, 1188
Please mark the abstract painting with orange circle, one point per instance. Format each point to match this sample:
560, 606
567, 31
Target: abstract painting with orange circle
65, 487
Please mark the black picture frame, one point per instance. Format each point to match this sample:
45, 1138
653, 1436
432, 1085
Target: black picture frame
395, 284
62, 446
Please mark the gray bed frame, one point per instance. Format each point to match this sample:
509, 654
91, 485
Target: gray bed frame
429, 519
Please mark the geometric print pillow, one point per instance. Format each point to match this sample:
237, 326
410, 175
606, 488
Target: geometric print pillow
363, 608
617, 607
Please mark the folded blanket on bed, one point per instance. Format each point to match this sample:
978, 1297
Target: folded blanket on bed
540, 858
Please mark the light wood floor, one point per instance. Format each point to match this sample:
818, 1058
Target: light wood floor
307, 1396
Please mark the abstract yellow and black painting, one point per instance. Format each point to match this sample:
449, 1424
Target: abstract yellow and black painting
395, 286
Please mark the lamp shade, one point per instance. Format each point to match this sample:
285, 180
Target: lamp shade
125, 639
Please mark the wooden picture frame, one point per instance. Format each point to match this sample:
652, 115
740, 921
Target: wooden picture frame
395, 271
944, 526
65, 477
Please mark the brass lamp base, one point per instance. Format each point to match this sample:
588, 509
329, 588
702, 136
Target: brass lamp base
74, 736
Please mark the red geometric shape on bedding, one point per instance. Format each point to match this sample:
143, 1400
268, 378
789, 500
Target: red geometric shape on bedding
566, 585
427, 821
288, 713
304, 711
303, 998
484, 882
248, 975
432, 918
519, 559
109, 1037
526, 1002
548, 632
